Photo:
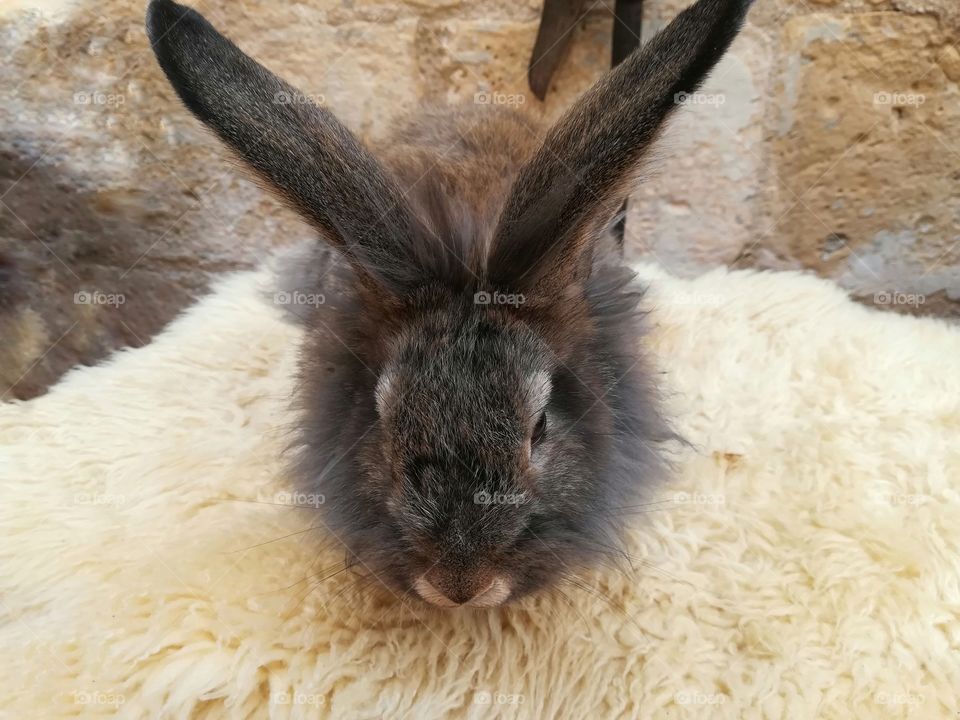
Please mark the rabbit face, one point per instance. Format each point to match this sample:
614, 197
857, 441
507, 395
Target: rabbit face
474, 457
481, 455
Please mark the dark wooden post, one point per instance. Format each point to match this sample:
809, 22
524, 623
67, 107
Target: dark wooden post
627, 23
557, 22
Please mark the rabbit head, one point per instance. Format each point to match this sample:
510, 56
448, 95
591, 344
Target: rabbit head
475, 405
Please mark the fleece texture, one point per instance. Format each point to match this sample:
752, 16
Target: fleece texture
803, 561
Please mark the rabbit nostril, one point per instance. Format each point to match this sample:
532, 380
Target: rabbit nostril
428, 592
493, 594
489, 595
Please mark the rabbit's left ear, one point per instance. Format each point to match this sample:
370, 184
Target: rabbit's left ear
568, 192
299, 148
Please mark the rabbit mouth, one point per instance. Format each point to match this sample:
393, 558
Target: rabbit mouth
493, 594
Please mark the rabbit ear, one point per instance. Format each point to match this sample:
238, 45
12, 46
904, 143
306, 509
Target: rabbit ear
568, 192
299, 148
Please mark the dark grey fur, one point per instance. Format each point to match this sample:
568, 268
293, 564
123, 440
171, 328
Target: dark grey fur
461, 202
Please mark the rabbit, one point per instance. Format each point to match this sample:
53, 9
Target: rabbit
475, 403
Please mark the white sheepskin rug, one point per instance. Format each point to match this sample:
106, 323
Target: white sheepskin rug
804, 562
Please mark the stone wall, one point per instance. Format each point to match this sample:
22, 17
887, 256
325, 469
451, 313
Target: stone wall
825, 141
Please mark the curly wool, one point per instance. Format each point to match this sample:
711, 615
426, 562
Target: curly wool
804, 562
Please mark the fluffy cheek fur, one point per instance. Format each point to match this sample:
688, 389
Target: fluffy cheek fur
559, 535
369, 513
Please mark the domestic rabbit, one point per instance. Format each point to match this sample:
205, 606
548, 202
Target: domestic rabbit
475, 405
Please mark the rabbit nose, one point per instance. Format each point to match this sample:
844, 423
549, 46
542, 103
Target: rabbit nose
436, 591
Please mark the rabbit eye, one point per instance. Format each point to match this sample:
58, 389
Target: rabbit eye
539, 429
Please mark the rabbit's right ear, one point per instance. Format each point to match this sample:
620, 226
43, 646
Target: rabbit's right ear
568, 192
296, 146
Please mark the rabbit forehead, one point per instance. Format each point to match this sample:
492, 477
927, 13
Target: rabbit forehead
466, 370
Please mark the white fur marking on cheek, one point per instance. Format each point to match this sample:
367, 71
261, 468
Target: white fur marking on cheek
539, 388
383, 391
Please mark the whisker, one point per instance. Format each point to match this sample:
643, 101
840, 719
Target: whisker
344, 589
332, 574
611, 565
265, 502
644, 512
642, 561
283, 537
317, 584
353, 592
619, 608
648, 564
604, 549
572, 604
646, 504
303, 598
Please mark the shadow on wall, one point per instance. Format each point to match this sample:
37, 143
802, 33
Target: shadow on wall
76, 277
116, 208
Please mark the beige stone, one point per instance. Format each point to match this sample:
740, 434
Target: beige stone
949, 59
697, 206
864, 153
